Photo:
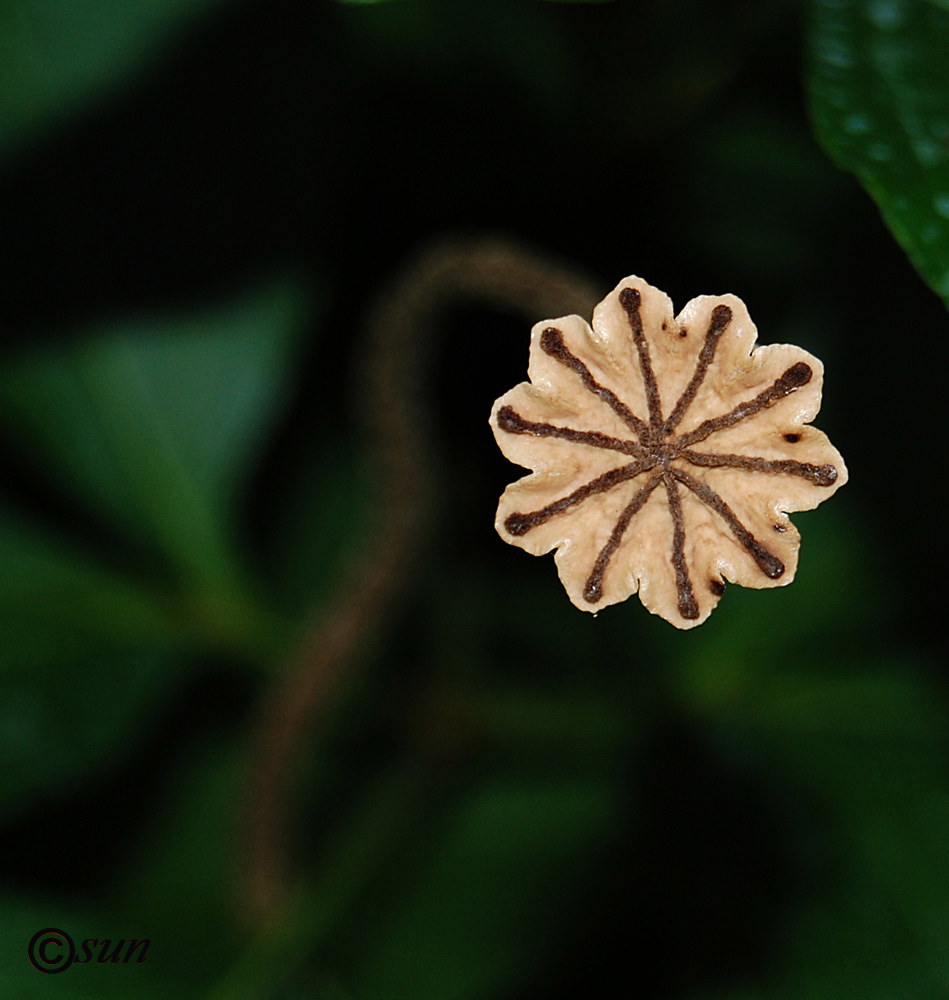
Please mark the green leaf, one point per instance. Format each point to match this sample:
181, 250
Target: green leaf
155, 423
887, 803
856, 761
56, 602
333, 487
57, 55
478, 919
879, 90
358, 2
755, 182
81, 714
181, 883
759, 636
520, 40
84, 656
851, 741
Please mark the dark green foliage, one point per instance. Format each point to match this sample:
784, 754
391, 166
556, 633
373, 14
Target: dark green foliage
506, 799
879, 85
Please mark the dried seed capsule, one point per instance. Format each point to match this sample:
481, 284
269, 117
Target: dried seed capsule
666, 452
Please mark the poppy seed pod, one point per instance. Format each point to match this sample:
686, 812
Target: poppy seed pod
667, 452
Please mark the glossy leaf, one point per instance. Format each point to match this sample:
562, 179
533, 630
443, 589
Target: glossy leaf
879, 89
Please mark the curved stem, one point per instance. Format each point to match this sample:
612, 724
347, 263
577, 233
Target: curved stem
400, 325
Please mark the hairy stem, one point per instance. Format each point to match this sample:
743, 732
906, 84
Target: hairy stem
400, 325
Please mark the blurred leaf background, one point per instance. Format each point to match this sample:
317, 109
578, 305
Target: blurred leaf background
199, 201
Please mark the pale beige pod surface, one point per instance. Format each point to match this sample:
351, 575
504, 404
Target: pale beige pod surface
666, 452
